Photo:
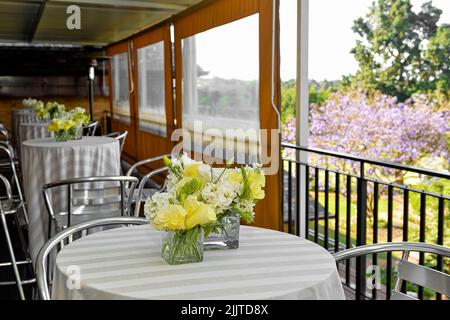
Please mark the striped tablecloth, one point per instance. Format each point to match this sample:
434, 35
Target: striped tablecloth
126, 263
21, 116
32, 130
45, 160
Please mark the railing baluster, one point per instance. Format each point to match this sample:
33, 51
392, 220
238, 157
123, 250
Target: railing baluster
327, 186
361, 231
389, 239
316, 206
348, 227
290, 197
375, 230
336, 212
405, 225
423, 209
361, 212
297, 199
307, 202
440, 237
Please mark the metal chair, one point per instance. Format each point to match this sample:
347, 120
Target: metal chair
407, 271
10, 207
89, 129
66, 236
77, 200
8, 162
4, 135
147, 187
120, 136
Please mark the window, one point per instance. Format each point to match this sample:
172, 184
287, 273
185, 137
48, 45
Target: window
121, 96
221, 83
152, 112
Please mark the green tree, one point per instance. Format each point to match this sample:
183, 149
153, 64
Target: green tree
288, 100
401, 52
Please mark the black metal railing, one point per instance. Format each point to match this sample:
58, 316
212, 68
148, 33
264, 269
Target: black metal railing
317, 182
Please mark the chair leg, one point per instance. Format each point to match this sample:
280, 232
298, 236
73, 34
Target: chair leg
13, 258
19, 191
23, 243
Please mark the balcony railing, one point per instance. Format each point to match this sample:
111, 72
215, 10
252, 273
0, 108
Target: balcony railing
352, 201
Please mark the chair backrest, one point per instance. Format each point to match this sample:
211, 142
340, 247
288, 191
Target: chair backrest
142, 183
77, 200
66, 236
89, 129
420, 275
4, 135
120, 136
6, 194
7, 153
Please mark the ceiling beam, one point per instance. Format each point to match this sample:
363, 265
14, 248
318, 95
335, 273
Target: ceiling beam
126, 4
36, 21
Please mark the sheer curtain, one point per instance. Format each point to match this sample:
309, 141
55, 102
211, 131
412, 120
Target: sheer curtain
221, 89
152, 112
121, 97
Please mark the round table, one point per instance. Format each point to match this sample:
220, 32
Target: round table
32, 130
126, 263
45, 160
19, 116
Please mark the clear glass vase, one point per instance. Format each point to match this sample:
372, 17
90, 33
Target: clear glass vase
180, 247
225, 233
74, 133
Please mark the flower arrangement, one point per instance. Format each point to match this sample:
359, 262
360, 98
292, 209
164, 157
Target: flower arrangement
198, 197
68, 125
32, 104
50, 111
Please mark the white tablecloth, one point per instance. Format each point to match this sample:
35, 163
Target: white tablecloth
126, 263
45, 160
21, 116
29, 131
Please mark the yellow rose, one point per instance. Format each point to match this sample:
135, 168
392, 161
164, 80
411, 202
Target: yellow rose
171, 217
235, 177
68, 124
191, 170
256, 181
198, 213
55, 125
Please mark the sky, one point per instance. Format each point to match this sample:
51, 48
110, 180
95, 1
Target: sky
330, 35
330, 41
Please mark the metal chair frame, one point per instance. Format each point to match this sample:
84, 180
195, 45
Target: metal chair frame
89, 130
12, 210
120, 136
11, 162
420, 275
137, 206
146, 178
66, 236
126, 183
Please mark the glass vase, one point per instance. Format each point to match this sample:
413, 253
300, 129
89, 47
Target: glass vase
74, 133
61, 135
180, 247
224, 234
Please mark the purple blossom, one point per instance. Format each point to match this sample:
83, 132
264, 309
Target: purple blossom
378, 127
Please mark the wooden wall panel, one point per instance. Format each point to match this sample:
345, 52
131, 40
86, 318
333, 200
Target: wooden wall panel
101, 104
268, 211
